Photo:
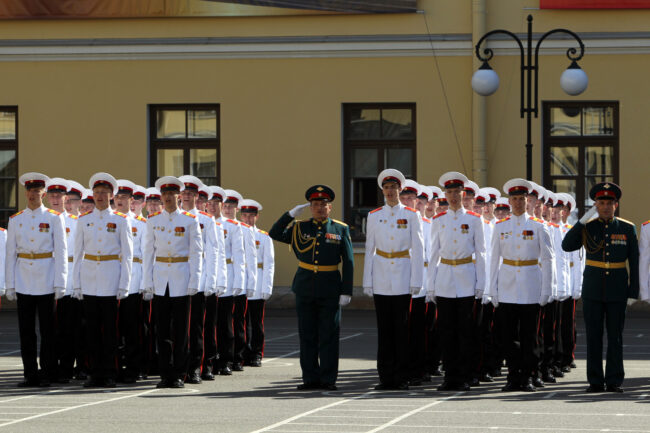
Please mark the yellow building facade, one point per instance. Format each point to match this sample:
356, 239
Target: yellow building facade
274, 102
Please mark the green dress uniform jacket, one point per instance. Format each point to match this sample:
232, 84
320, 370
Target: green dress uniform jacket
319, 246
608, 244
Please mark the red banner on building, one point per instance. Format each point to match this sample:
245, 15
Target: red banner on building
594, 4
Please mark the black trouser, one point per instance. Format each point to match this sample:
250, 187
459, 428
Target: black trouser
101, 335
568, 331
546, 336
558, 344
417, 338
520, 322
210, 334
319, 329
434, 348
148, 340
455, 320
239, 326
255, 329
29, 306
130, 327
499, 335
172, 323
197, 321
484, 351
600, 315
392, 338
225, 337
71, 340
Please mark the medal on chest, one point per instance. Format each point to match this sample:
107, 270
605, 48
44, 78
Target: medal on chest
464, 228
110, 227
402, 223
179, 231
44, 228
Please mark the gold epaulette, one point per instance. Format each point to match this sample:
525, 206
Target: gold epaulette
189, 214
141, 218
154, 214
74, 217
17, 213
473, 213
339, 222
52, 211
502, 220
120, 214
625, 221
263, 232
85, 213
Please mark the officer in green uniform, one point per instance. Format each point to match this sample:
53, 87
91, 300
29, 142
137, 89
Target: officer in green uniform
609, 242
320, 244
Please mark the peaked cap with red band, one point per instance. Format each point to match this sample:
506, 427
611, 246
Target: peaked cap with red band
57, 184
169, 183
152, 194
516, 186
232, 196
126, 187
411, 186
320, 192
103, 179
605, 190
217, 193
192, 183
391, 175
452, 179
33, 180
249, 206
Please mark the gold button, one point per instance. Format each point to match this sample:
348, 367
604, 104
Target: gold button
606, 245
391, 238
454, 228
315, 261
98, 252
31, 240
607, 273
316, 252
392, 214
607, 253
454, 240
392, 226
168, 265
317, 243
99, 240
30, 263
392, 263
169, 242
318, 235
455, 218
518, 246
32, 228
606, 234
318, 227
33, 216
606, 226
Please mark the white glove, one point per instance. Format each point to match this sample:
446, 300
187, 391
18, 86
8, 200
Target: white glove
576, 296
430, 297
367, 291
192, 291
344, 300
552, 298
59, 292
415, 290
237, 292
588, 215
543, 300
296, 210
564, 298
122, 293
147, 294
10, 294
77, 294
220, 291
266, 296
2, 291
486, 299
209, 292
250, 293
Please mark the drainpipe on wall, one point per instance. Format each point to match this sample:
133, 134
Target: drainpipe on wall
479, 153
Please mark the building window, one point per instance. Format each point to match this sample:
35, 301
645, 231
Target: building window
375, 137
8, 163
184, 139
580, 147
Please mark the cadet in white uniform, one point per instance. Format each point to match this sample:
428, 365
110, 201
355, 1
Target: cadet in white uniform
35, 272
453, 279
208, 282
235, 260
103, 259
393, 272
434, 348
521, 276
249, 210
644, 262
173, 251
73, 198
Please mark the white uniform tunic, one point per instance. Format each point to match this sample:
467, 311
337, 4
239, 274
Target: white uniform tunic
222, 267
456, 235
3, 248
138, 230
38, 231
265, 264
561, 263
208, 280
234, 255
393, 230
426, 235
521, 238
70, 229
248, 237
103, 233
176, 234
488, 229
644, 262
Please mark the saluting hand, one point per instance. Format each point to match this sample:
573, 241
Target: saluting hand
296, 210
588, 215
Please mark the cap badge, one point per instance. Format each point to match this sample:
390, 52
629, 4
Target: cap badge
606, 186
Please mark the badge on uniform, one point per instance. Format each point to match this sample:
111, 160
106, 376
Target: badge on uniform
505, 235
67, 230
464, 228
402, 224
332, 238
225, 234
44, 228
619, 239
201, 226
110, 227
179, 231
134, 230
527, 235
257, 244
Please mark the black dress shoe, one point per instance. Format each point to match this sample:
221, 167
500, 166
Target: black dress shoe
549, 378
573, 365
109, 383
29, 383
426, 377
538, 383
510, 387
415, 382
485, 377
308, 386
383, 387
595, 388
496, 372
528, 386
464, 386
193, 379
404, 386
437, 371
237, 367
474, 382
329, 387
257, 362
446, 386
129, 379
225, 371
81, 375
177, 383
614, 388
164, 383
566, 369
557, 372
207, 375
92, 383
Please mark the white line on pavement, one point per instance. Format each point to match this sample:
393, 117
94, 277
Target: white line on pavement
571, 414
298, 351
282, 337
10, 353
552, 429
550, 395
77, 407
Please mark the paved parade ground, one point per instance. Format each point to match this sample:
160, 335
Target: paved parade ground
266, 399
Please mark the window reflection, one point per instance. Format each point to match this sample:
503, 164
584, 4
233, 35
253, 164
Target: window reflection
170, 123
564, 161
7, 125
170, 162
202, 123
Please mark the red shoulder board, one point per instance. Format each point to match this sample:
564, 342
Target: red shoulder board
205, 214
410, 208
123, 215
218, 223
245, 225
486, 221
553, 224
535, 219
426, 220
502, 220
233, 222
373, 211
189, 214
473, 213
263, 232
439, 215
2, 230
647, 222
74, 217
569, 226
141, 218
85, 213
17, 213
154, 214
52, 211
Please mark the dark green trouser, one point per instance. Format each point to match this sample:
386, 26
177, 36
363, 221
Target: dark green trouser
597, 316
319, 328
